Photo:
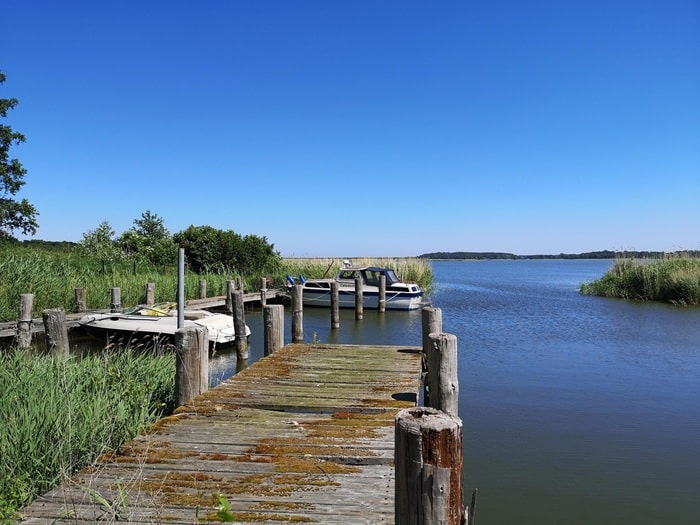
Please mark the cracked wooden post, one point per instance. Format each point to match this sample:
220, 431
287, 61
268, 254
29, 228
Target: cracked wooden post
431, 322
273, 319
297, 313
429, 462
80, 301
56, 330
442, 373
239, 324
192, 370
23, 337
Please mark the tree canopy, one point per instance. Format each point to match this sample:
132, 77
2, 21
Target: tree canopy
15, 215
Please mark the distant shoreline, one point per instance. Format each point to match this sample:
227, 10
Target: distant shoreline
603, 254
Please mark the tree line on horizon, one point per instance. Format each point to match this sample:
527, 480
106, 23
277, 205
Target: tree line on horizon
602, 254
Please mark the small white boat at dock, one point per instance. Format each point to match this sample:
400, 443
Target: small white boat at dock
400, 295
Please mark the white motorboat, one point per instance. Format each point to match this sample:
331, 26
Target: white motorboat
160, 319
399, 295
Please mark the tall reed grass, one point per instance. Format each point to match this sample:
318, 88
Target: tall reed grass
59, 414
673, 280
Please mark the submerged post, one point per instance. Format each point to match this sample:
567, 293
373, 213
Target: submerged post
115, 304
381, 302
359, 306
192, 367
273, 319
23, 338
429, 462
335, 305
297, 313
56, 331
239, 324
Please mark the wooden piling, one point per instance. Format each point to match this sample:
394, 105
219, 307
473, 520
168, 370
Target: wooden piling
80, 301
192, 370
335, 305
230, 286
273, 319
381, 302
442, 374
431, 322
263, 291
202, 289
56, 330
297, 313
239, 324
359, 306
23, 338
150, 293
115, 304
429, 460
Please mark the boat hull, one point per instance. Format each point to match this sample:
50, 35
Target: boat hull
370, 299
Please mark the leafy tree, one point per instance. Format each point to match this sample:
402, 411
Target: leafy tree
210, 250
100, 243
149, 240
14, 215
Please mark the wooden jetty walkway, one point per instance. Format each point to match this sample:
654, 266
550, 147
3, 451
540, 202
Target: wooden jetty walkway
305, 435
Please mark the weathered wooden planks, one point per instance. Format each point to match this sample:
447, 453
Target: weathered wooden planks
305, 435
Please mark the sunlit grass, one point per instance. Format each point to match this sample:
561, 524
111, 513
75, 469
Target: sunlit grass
59, 414
672, 280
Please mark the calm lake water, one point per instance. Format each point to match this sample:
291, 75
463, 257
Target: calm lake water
576, 409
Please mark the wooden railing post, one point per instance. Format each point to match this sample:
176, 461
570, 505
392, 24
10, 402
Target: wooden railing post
150, 293
359, 306
239, 324
297, 313
23, 338
442, 374
273, 319
192, 368
335, 305
429, 462
80, 301
116, 300
56, 330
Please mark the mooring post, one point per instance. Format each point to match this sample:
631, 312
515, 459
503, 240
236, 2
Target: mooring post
80, 302
442, 373
202, 289
335, 305
297, 313
431, 322
56, 330
23, 337
192, 367
239, 324
359, 306
263, 291
273, 319
241, 283
150, 293
230, 286
429, 462
381, 303
115, 304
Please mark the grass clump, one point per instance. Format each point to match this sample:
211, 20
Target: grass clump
59, 414
673, 280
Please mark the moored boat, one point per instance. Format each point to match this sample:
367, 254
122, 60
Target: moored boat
400, 295
161, 320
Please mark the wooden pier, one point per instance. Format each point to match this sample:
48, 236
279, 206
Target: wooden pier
305, 435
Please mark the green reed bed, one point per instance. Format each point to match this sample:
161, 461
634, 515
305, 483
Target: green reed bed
673, 280
409, 269
59, 414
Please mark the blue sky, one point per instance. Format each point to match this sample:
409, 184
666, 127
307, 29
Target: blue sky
377, 128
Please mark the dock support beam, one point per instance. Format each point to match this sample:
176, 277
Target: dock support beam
192, 369
273, 319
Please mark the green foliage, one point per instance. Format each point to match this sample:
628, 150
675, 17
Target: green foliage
149, 241
673, 280
100, 243
59, 414
15, 215
208, 249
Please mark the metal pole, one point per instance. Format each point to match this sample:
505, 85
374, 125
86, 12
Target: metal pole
180, 287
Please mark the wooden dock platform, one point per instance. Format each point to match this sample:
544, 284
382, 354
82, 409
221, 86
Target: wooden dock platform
305, 435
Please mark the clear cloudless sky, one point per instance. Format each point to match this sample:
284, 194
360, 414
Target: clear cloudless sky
363, 128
